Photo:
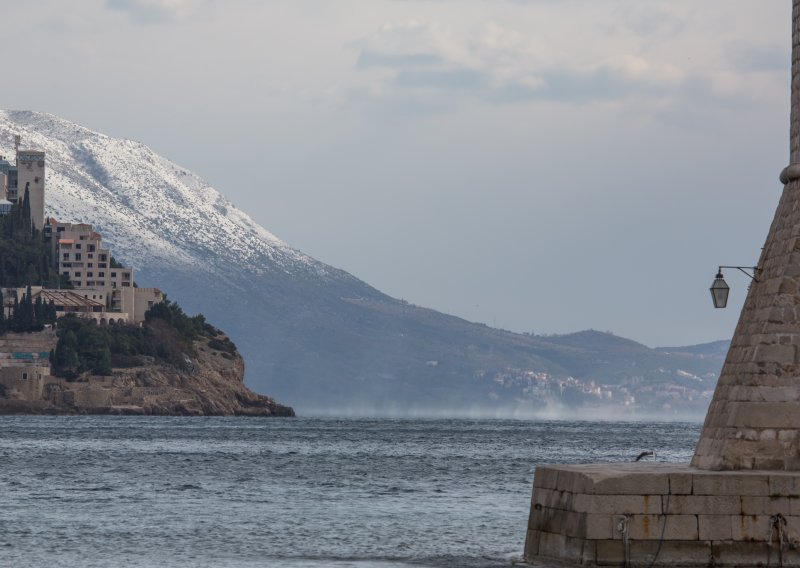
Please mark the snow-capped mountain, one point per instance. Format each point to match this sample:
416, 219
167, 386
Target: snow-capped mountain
314, 336
151, 211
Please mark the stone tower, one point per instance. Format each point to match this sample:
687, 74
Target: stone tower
754, 418
30, 175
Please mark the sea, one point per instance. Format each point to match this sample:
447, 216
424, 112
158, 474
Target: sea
102, 491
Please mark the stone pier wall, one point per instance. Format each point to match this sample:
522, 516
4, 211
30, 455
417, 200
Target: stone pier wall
613, 514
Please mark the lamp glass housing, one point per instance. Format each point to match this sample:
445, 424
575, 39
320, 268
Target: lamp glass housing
719, 291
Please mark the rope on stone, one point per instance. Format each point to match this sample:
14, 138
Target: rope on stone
624, 528
663, 531
777, 528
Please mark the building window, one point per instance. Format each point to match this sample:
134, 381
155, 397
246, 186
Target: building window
91, 248
77, 246
60, 229
90, 265
65, 273
101, 274
126, 275
65, 256
24, 376
90, 275
77, 256
113, 275
77, 274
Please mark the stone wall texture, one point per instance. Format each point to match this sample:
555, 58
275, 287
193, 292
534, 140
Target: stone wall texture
795, 117
650, 514
753, 421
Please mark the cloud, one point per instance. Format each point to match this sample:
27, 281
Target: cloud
748, 57
415, 61
652, 20
154, 11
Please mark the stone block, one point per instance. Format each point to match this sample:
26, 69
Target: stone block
599, 527
545, 477
555, 499
574, 550
609, 553
714, 527
775, 353
574, 482
763, 414
671, 553
784, 485
734, 483
531, 544
703, 504
632, 484
769, 463
732, 553
752, 528
536, 517
680, 483
651, 527
766, 505
549, 520
617, 504
590, 552
793, 526
541, 496
552, 545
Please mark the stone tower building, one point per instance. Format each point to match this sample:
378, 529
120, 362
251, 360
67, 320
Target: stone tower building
30, 176
754, 418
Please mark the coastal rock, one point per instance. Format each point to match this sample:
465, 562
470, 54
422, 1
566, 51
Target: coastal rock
211, 384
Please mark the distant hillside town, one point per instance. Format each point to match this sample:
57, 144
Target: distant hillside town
50, 269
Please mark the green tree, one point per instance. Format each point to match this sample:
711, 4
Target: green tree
65, 357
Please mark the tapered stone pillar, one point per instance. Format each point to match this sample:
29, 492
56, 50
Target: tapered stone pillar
737, 505
754, 418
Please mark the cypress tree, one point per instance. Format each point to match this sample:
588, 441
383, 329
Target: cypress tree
15, 314
65, 358
2, 314
38, 313
26, 210
28, 313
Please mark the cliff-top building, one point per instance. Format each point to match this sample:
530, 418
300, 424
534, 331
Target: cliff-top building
91, 269
27, 172
103, 289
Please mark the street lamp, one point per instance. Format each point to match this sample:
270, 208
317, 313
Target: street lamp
719, 288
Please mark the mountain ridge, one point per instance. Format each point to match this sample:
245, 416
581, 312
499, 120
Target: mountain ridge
314, 336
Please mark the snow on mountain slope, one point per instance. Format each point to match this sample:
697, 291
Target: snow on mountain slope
151, 211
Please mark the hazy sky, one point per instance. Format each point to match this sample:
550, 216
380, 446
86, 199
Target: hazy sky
541, 165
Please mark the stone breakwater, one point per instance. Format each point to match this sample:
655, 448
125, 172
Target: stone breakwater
214, 386
664, 515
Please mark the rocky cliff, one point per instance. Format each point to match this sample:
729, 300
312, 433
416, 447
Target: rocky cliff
211, 385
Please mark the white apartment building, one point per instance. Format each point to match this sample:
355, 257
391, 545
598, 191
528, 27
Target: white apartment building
81, 257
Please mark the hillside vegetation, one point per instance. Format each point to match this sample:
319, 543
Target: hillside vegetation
167, 336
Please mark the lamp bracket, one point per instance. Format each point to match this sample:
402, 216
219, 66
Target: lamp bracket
743, 269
